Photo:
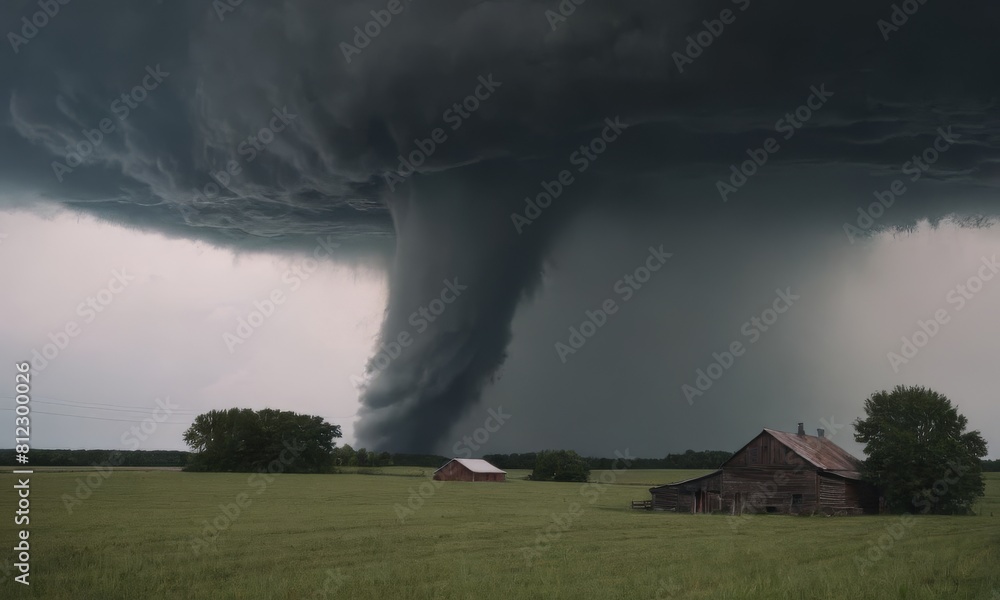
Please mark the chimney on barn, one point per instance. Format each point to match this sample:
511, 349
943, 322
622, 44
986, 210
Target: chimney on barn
819, 433
802, 430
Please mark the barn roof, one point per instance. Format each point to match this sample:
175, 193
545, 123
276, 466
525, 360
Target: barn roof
820, 452
476, 465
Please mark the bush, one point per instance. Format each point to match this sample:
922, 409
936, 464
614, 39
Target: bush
560, 465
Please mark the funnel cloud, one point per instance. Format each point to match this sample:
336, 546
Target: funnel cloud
463, 146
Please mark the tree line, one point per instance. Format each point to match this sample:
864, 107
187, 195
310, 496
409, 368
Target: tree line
181, 458
690, 459
88, 458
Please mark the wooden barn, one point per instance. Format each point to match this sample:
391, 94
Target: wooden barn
776, 472
469, 469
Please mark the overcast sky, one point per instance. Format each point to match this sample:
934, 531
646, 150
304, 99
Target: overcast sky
733, 149
162, 336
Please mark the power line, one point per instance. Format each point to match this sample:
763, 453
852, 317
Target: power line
98, 405
123, 408
42, 412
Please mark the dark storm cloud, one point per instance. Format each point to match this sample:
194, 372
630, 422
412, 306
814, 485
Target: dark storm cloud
263, 100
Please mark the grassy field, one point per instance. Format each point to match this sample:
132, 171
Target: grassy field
340, 536
641, 477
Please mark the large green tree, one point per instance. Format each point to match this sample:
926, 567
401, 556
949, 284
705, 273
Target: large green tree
247, 440
919, 453
560, 465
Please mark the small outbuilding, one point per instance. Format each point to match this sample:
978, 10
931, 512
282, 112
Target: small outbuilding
469, 469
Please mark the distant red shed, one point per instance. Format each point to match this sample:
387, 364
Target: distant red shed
469, 469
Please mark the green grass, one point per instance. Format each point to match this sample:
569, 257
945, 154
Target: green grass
131, 539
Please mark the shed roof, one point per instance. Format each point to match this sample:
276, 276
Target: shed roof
476, 465
682, 482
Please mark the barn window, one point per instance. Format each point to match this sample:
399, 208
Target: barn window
754, 456
796, 499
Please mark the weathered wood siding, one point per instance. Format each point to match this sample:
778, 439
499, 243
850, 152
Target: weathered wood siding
761, 490
766, 476
832, 493
862, 495
764, 451
665, 499
699, 495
